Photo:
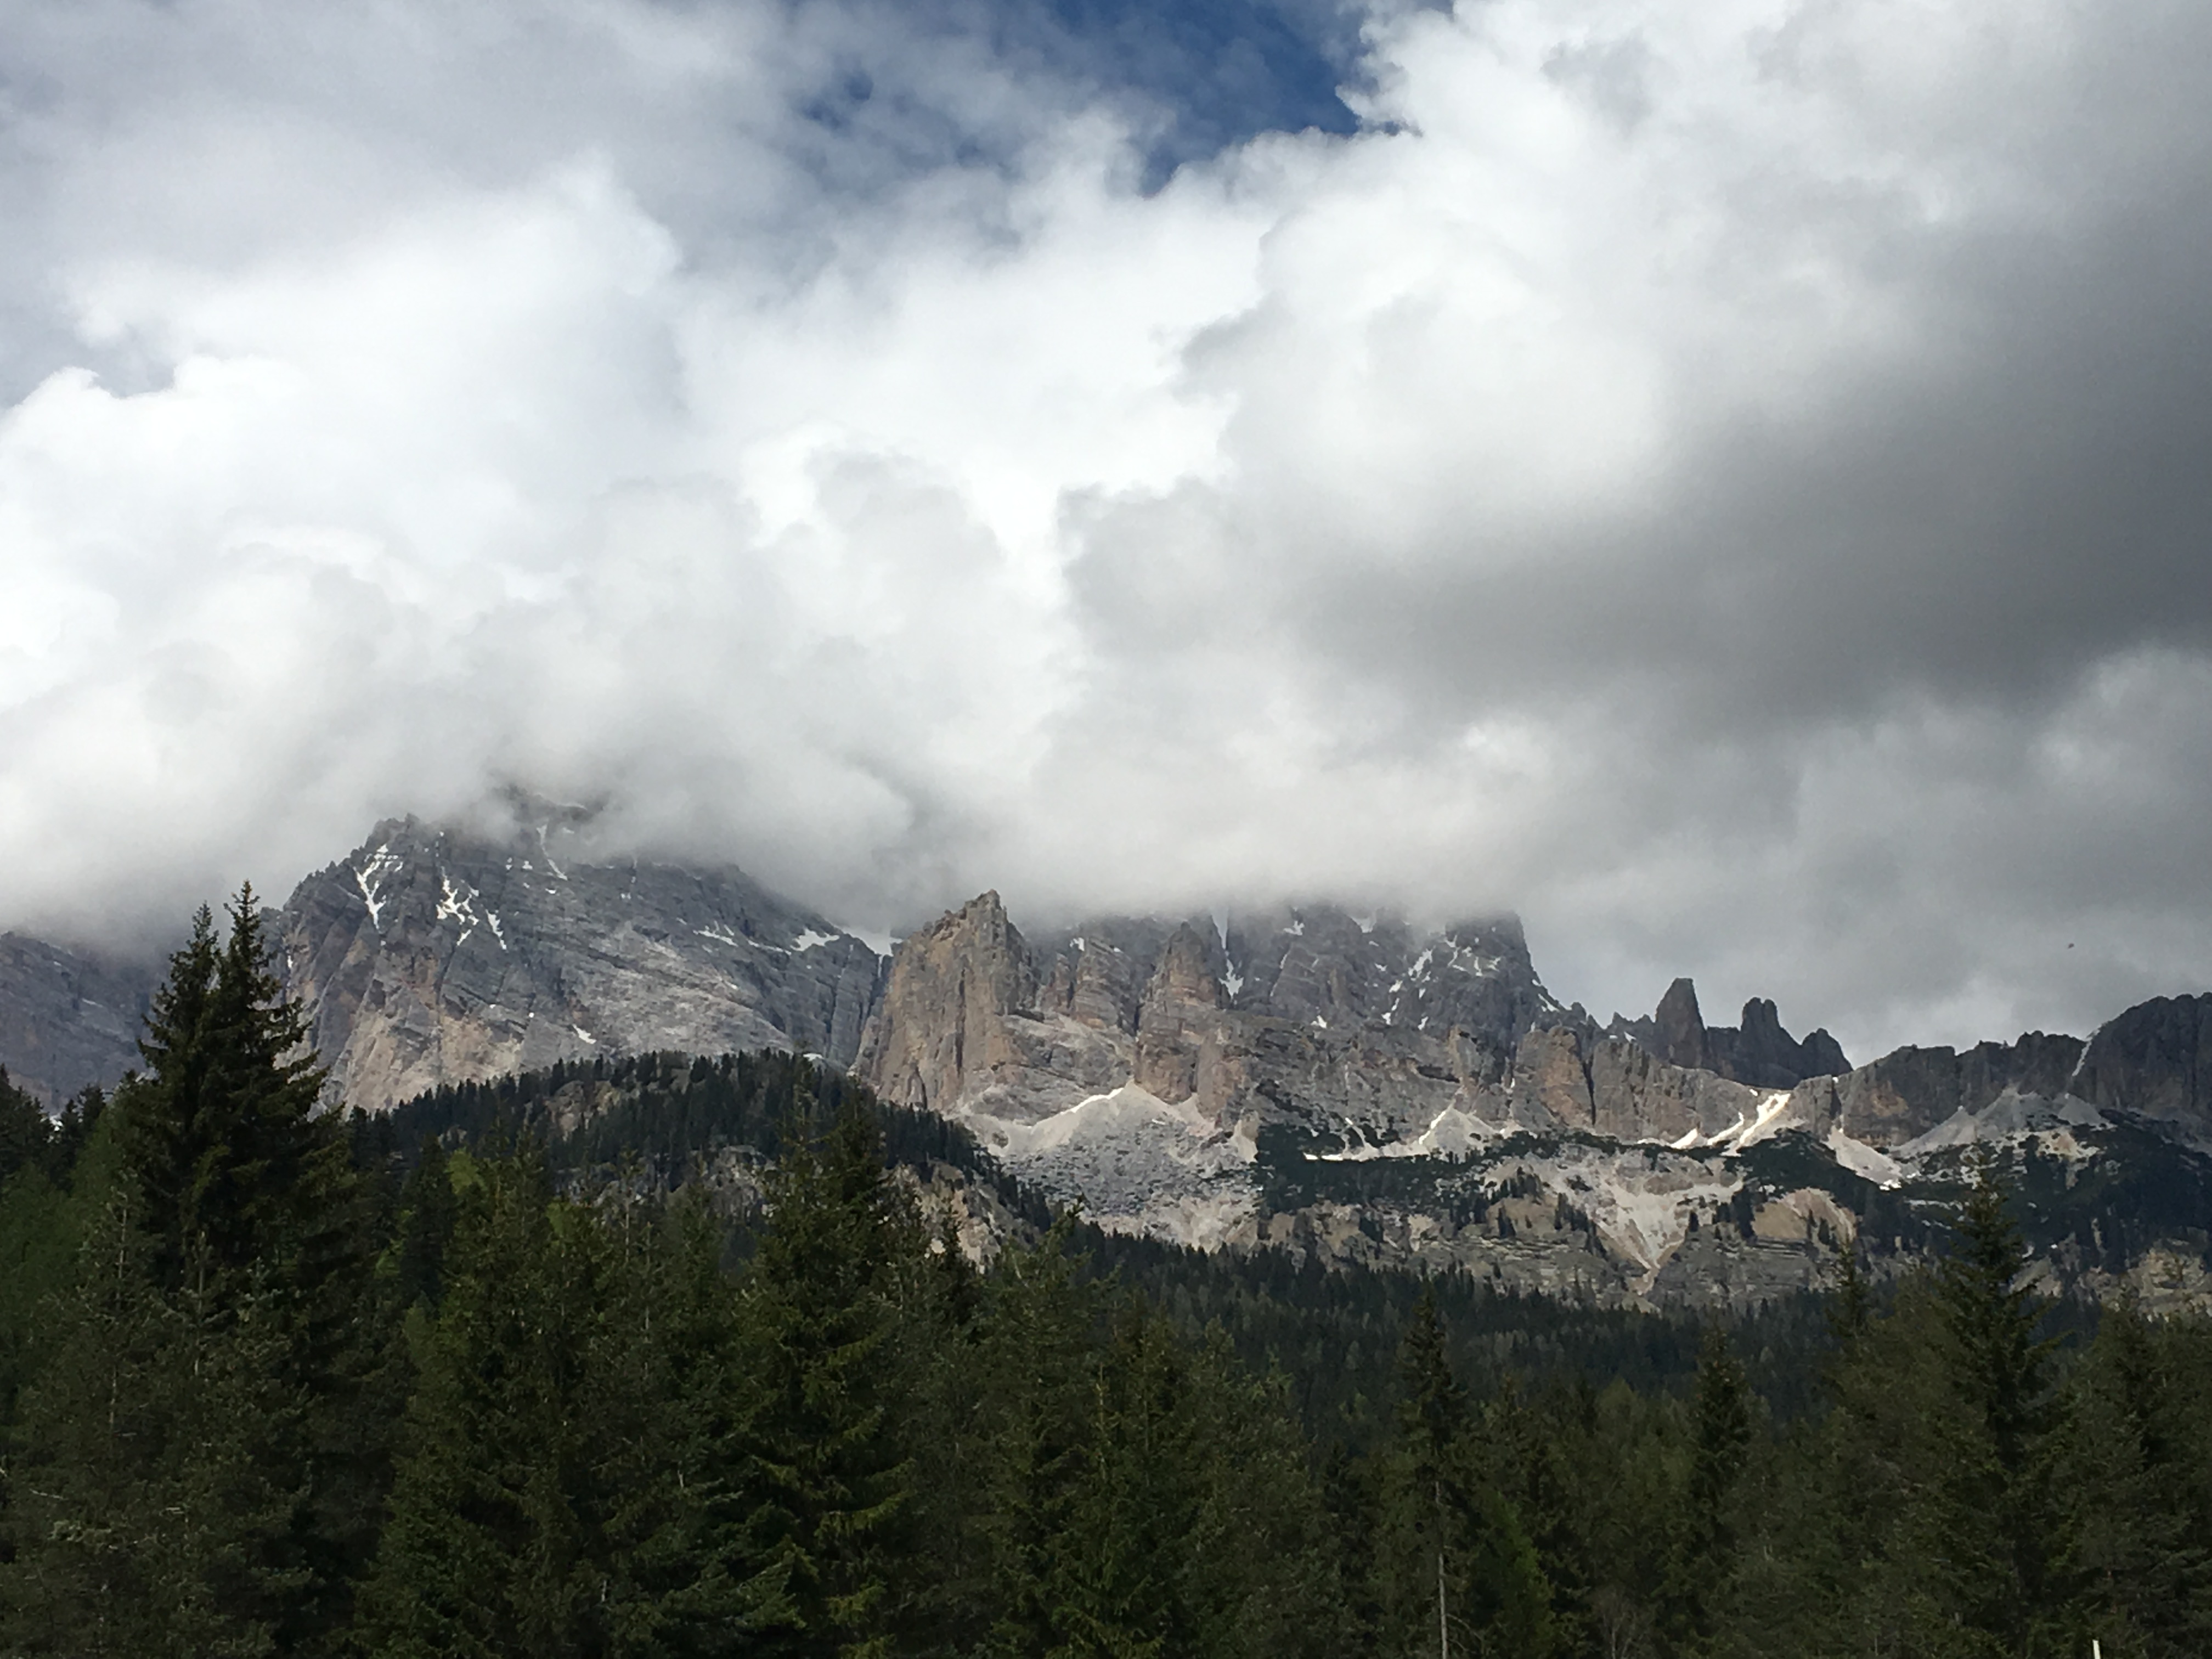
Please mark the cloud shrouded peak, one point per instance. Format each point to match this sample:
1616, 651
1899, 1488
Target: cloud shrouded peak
1726, 480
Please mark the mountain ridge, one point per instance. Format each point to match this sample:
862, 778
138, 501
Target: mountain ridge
1348, 1086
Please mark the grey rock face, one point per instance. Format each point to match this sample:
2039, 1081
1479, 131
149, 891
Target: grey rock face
1758, 1051
1909, 1091
1680, 1037
2156, 1059
1353, 1092
429, 957
66, 1019
1309, 1013
1141, 1061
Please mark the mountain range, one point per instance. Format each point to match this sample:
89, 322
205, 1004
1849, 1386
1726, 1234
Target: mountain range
1345, 1087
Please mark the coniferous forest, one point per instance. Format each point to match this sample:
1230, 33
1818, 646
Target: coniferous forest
474, 1379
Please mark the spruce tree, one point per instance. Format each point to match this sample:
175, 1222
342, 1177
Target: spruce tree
1456, 1571
572, 1476
27, 1134
428, 1210
2137, 1483
150, 1504
489, 1548
254, 1265
827, 1439
234, 1163
2002, 1373
1036, 1362
1942, 1455
1705, 1539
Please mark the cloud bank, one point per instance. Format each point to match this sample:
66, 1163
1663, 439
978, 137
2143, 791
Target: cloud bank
1728, 482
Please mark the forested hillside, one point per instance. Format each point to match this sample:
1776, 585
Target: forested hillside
684, 1357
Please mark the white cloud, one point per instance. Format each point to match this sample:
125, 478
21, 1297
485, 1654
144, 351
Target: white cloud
1660, 475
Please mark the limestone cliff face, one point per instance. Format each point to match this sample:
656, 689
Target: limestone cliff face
1293, 1015
1635, 1096
1184, 1045
1137, 1061
2156, 1059
966, 1026
1758, 1051
67, 1019
429, 957
1907, 1092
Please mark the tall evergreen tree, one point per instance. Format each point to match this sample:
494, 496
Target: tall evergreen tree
1036, 1364
2001, 1371
254, 1262
2136, 1480
1703, 1556
234, 1163
827, 1441
26, 1135
1456, 1571
150, 1504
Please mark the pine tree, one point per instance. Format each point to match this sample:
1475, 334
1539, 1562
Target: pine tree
827, 1444
2135, 1478
1941, 1455
944, 1597
26, 1135
254, 1265
429, 1209
234, 1163
1705, 1541
2002, 1373
1037, 1366
690, 1577
1267, 1584
1457, 1572
572, 1475
149, 1500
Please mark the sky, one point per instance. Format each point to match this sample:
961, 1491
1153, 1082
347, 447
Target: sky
1730, 481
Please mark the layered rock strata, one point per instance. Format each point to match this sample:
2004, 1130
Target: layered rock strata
1348, 1087
429, 957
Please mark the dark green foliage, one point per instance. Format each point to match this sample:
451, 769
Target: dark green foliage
823, 1436
429, 1210
453, 1382
231, 1161
661, 1119
1453, 1567
1706, 1537
26, 1132
2136, 1485
217, 1325
566, 1483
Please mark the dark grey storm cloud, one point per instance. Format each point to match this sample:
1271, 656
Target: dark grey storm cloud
1730, 481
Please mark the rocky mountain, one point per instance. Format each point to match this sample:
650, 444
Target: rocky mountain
1758, 1051
67, 1020
429, 957
1352, 1087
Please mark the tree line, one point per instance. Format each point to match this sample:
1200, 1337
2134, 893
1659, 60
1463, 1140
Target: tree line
268, 1388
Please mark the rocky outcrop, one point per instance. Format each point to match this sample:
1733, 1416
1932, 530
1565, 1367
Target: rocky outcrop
1309, 1014
1909, 1091
1758, 1052
430, 957
67, 1019
1182, 1038
1679, 1035
2155, 1059
960, 1030
1360, 1037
